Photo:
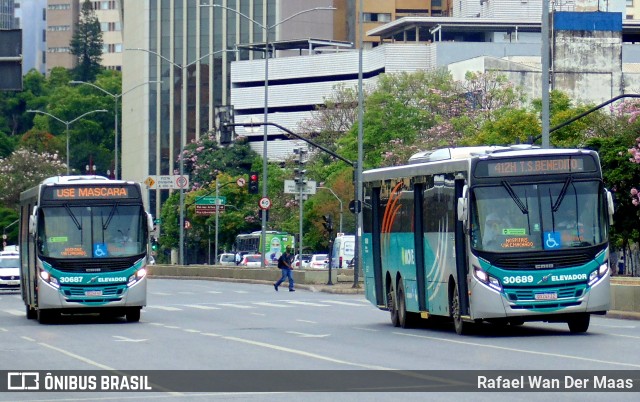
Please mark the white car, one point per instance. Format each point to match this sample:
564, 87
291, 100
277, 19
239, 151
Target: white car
9, 270
226, 259
305, 261
252, 260
319, 261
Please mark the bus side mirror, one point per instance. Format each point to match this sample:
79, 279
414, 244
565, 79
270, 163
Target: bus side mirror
462, 205
610, 206
33, 219
150, 222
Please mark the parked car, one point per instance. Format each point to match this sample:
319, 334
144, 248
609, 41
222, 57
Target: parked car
226, 259
9, 270
319, 261
305, 261
252, 260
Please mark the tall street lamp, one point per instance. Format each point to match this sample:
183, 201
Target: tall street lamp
183, 127
115, 97
67, 124
266, 29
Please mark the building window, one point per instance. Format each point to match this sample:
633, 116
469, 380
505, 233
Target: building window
56, 28
629, 4
59, 7
376, 17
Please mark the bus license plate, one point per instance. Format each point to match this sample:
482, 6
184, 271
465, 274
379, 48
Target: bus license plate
546, 296
93, 293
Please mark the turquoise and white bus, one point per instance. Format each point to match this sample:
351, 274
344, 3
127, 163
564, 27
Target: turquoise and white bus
83, 248
497, 234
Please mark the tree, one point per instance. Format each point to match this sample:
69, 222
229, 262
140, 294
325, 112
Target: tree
86, 44
24, 169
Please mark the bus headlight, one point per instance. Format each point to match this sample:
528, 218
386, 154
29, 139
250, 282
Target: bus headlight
598, 274
487, 279
139, 274
51, 280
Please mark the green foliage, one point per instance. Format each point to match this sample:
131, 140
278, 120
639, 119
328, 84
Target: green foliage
9, 224
86, 44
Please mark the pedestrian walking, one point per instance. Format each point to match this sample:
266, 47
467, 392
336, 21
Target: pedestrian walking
621, 265
284, 263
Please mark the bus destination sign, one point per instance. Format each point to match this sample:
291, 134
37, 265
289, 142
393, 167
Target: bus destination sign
535, 166
87, 192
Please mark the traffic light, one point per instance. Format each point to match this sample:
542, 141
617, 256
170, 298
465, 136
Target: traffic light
328, 223
154, 244
254, 183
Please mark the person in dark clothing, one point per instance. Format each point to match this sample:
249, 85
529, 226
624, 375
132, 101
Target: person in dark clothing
284, 263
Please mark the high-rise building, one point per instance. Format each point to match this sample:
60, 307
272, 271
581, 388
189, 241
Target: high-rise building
7, 15
62, 16
176, 35
32, 19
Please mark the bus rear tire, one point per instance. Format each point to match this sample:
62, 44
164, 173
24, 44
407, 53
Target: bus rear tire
133, 314
31, 313
461, 327
392, 303
579, 323
47, 316
405, 319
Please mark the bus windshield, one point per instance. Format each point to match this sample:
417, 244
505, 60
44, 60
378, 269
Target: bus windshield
91, 231
535, 217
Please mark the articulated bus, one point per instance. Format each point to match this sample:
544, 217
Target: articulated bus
83, 248
497, 234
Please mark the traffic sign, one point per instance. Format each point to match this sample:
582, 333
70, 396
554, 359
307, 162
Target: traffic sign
241, 182
208, 209
167, 182
264, 203
290, 187
209, 200
187, 224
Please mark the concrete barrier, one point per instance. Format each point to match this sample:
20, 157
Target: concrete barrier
625, 291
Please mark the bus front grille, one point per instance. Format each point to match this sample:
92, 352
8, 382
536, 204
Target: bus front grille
548, 261
93, 265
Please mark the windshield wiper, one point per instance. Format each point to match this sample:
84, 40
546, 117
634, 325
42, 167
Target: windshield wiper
515, 198
563, 192
73, 217
105, 225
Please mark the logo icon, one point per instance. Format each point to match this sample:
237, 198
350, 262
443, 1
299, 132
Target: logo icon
23, 381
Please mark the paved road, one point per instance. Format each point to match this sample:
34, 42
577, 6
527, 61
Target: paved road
208, 325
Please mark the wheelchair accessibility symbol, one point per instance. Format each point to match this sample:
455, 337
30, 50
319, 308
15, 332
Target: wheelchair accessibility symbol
551, 240
100, 250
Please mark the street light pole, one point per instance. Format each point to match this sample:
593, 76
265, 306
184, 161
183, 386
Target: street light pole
67, 124
183, 127
265, 137
115, 97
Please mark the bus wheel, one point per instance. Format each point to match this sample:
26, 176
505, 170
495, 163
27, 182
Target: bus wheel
31, 313
392, 306
133, 314
47, 316
579, 323
405, 318
461, 327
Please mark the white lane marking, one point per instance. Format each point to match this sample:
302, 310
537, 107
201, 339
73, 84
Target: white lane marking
201, 306
211, 334
234, 305
161, 294
259, 314
307, 321
614, 326
215, 292
304, 335
366, 329
165, 308
301, 303
125, 339
15, 312
532, 352
342, 303
625, 336
267, 304
193, 331
303, 353
240, 291
3, 330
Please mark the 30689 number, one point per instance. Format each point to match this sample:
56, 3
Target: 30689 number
508, 280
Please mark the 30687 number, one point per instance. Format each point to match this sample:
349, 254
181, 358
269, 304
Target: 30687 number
70, 279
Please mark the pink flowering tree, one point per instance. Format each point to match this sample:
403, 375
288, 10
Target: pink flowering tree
24, 169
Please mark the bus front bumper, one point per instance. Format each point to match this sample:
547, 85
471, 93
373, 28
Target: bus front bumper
71, 297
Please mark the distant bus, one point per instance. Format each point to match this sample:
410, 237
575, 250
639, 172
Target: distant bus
276, 243
83, 247
343, 251
498, 234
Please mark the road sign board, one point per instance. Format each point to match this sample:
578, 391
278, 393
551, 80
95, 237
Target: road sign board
264, 203
290, 187
208, 209
167, 182
209, 200
240, 182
